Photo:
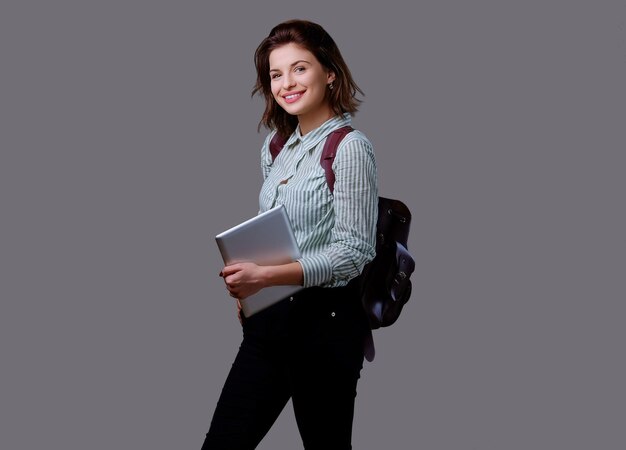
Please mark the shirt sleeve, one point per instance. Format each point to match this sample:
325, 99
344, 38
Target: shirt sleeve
266, 156
355, 200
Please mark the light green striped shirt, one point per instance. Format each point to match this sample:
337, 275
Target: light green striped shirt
336, 232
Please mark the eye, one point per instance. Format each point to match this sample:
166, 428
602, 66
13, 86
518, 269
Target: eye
299, 69
273, 76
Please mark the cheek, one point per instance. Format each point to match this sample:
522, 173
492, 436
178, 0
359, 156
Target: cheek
275, 88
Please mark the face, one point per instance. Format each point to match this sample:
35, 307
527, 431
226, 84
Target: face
299, 84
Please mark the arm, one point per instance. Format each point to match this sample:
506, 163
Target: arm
355, 201
244, 279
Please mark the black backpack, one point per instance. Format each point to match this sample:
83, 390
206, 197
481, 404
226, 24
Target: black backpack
384, 285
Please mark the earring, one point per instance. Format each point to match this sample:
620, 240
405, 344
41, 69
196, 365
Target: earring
330, 86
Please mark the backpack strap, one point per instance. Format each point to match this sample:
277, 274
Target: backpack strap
328, 154
276, 145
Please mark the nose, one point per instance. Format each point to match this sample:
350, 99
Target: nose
288, 81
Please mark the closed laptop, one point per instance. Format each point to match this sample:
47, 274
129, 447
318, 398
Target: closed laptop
266, 239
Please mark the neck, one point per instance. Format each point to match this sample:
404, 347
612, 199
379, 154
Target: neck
311, 121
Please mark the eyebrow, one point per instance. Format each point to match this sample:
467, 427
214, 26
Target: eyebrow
293, 64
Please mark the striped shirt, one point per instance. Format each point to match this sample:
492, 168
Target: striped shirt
336, 232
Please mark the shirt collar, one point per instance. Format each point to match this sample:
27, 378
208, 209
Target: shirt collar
313, 137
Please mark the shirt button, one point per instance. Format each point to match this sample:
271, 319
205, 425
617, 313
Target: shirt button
291, 299
332, 314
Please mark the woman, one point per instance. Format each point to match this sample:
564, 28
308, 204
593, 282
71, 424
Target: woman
308, 347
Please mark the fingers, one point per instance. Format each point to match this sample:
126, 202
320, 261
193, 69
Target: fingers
229, 280
231, 287
239, 312
229, 270
235, 279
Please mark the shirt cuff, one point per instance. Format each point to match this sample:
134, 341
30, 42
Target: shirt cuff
316, 269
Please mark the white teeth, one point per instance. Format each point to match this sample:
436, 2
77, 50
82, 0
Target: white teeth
289, 97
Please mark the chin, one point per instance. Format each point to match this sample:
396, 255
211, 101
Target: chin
290, 109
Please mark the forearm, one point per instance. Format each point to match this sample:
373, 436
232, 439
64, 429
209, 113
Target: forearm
284, 274
337, 264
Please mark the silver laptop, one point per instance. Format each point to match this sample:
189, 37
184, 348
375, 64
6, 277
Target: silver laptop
266, 239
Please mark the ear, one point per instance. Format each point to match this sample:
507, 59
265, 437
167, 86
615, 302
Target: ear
330, 77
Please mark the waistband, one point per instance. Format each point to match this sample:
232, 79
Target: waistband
309, 304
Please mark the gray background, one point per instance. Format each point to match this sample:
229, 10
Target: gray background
128, 140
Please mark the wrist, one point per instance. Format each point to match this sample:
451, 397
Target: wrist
266, 275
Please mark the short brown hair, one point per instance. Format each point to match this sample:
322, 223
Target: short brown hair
314, 38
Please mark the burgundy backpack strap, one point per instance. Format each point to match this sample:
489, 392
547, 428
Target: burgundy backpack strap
329, 153
276, 145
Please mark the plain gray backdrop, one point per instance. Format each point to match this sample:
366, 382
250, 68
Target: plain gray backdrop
128, 140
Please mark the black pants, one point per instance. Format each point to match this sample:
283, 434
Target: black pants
308, 348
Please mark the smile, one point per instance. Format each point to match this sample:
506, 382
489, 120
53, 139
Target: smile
290, 98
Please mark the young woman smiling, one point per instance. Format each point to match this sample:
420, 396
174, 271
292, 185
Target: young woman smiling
308, 347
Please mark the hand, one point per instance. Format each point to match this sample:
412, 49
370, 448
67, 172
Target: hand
243, 279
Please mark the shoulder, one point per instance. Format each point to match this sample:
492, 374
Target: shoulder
356, 137
265, 149
268, 138
353, 144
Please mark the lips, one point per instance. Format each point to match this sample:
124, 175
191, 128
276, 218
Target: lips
293, 97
